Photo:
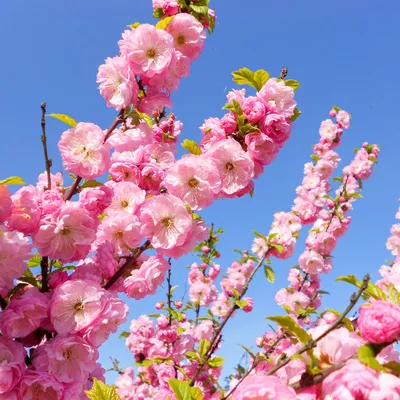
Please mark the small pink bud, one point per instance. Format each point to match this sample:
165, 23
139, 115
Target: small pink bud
307, 320
217, 255
203, 266
249, 306
178, 304
184, 318
342, 199
205, 249
365, 144
332, 113
159, 305
259, 342
330, 203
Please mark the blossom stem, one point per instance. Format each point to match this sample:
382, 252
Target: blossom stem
3, 303
44, 264
216, 336
48, 162
169, 294
130, 262
312, 343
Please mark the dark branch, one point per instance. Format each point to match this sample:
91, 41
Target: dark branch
44, 264
48, 162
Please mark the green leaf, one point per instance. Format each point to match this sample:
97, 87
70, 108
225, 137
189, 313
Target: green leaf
260, 78
162, 24
244, 76
336, 108
28, 279
366, 354
124, 334
191, 147
277, 246
34, 261
101, 391
28, 273
251, 354
91, 184
64, 118
216, 362
260, 235
296, 114
247, 128
393, 294
199, 9
158, 13
241, 303
204, 347
393, 366
134, 25
269, 273
145, 118
183, 391
292, 83
338, 179
13, 180
292, 326
372, 289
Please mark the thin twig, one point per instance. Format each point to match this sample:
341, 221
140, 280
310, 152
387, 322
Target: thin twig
48, 162
3, 303
169, 294
44, 264
216, 336
312, 343
128, 264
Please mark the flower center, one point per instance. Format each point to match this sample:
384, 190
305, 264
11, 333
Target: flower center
65, 231
119, 234
151, 53
167, 222
124, 203
79, 306
229, 166
181, 39
193, 183
67, 354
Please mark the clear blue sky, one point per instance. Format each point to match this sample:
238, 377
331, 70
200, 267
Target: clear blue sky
344, 53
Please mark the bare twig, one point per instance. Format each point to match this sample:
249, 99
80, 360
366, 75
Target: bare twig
169, 294
3, 303
130, 262
48, 162
44, 264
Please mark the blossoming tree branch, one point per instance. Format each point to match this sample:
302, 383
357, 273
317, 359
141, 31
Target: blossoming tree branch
68, 250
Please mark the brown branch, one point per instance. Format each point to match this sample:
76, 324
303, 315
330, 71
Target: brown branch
73, 189
313, 342
169, 294
48, 162
44, 264
3, 303
216, 336
130, 262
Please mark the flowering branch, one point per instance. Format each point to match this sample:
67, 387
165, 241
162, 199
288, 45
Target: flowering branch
3, 303
313, 342
130, 262
169, 294
216, 336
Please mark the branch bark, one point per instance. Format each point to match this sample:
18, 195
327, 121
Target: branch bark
48, 162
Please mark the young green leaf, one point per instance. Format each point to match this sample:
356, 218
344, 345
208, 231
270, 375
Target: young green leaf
244, 76
216, 362
91, 184
296, 114
101, 391
162, 24
191, 147
183, 391
366, 354
64, 118
260, 78
34, 261
124, 335
13, 180
292, 83
269, 273
372, 289
292, 326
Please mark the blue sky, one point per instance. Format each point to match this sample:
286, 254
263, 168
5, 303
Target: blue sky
343, 53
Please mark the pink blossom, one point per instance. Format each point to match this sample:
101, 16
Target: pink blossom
169, 7
294, 300
148, 49
66, 235
228, 123
343, 119
202, 293
278, 97
276, 127
12, 366
117, 83
204, 330
328, 129
136, 286
152, 176
40, 385
322, 242
261, 147
312, 262
234, 166
124, 384
24, 314
188, 34
195, 180
51, 201
154, 270
354, 381
253, 109
154, 102
26, 211
130, 140
221, 306
165, 221
122, 230
160, 154
258, 387
75, 305
96, 199
379, 322
14, 250
5, 203
68, 358
83, 150
127, 197
55, 179
249, 304
238, 95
